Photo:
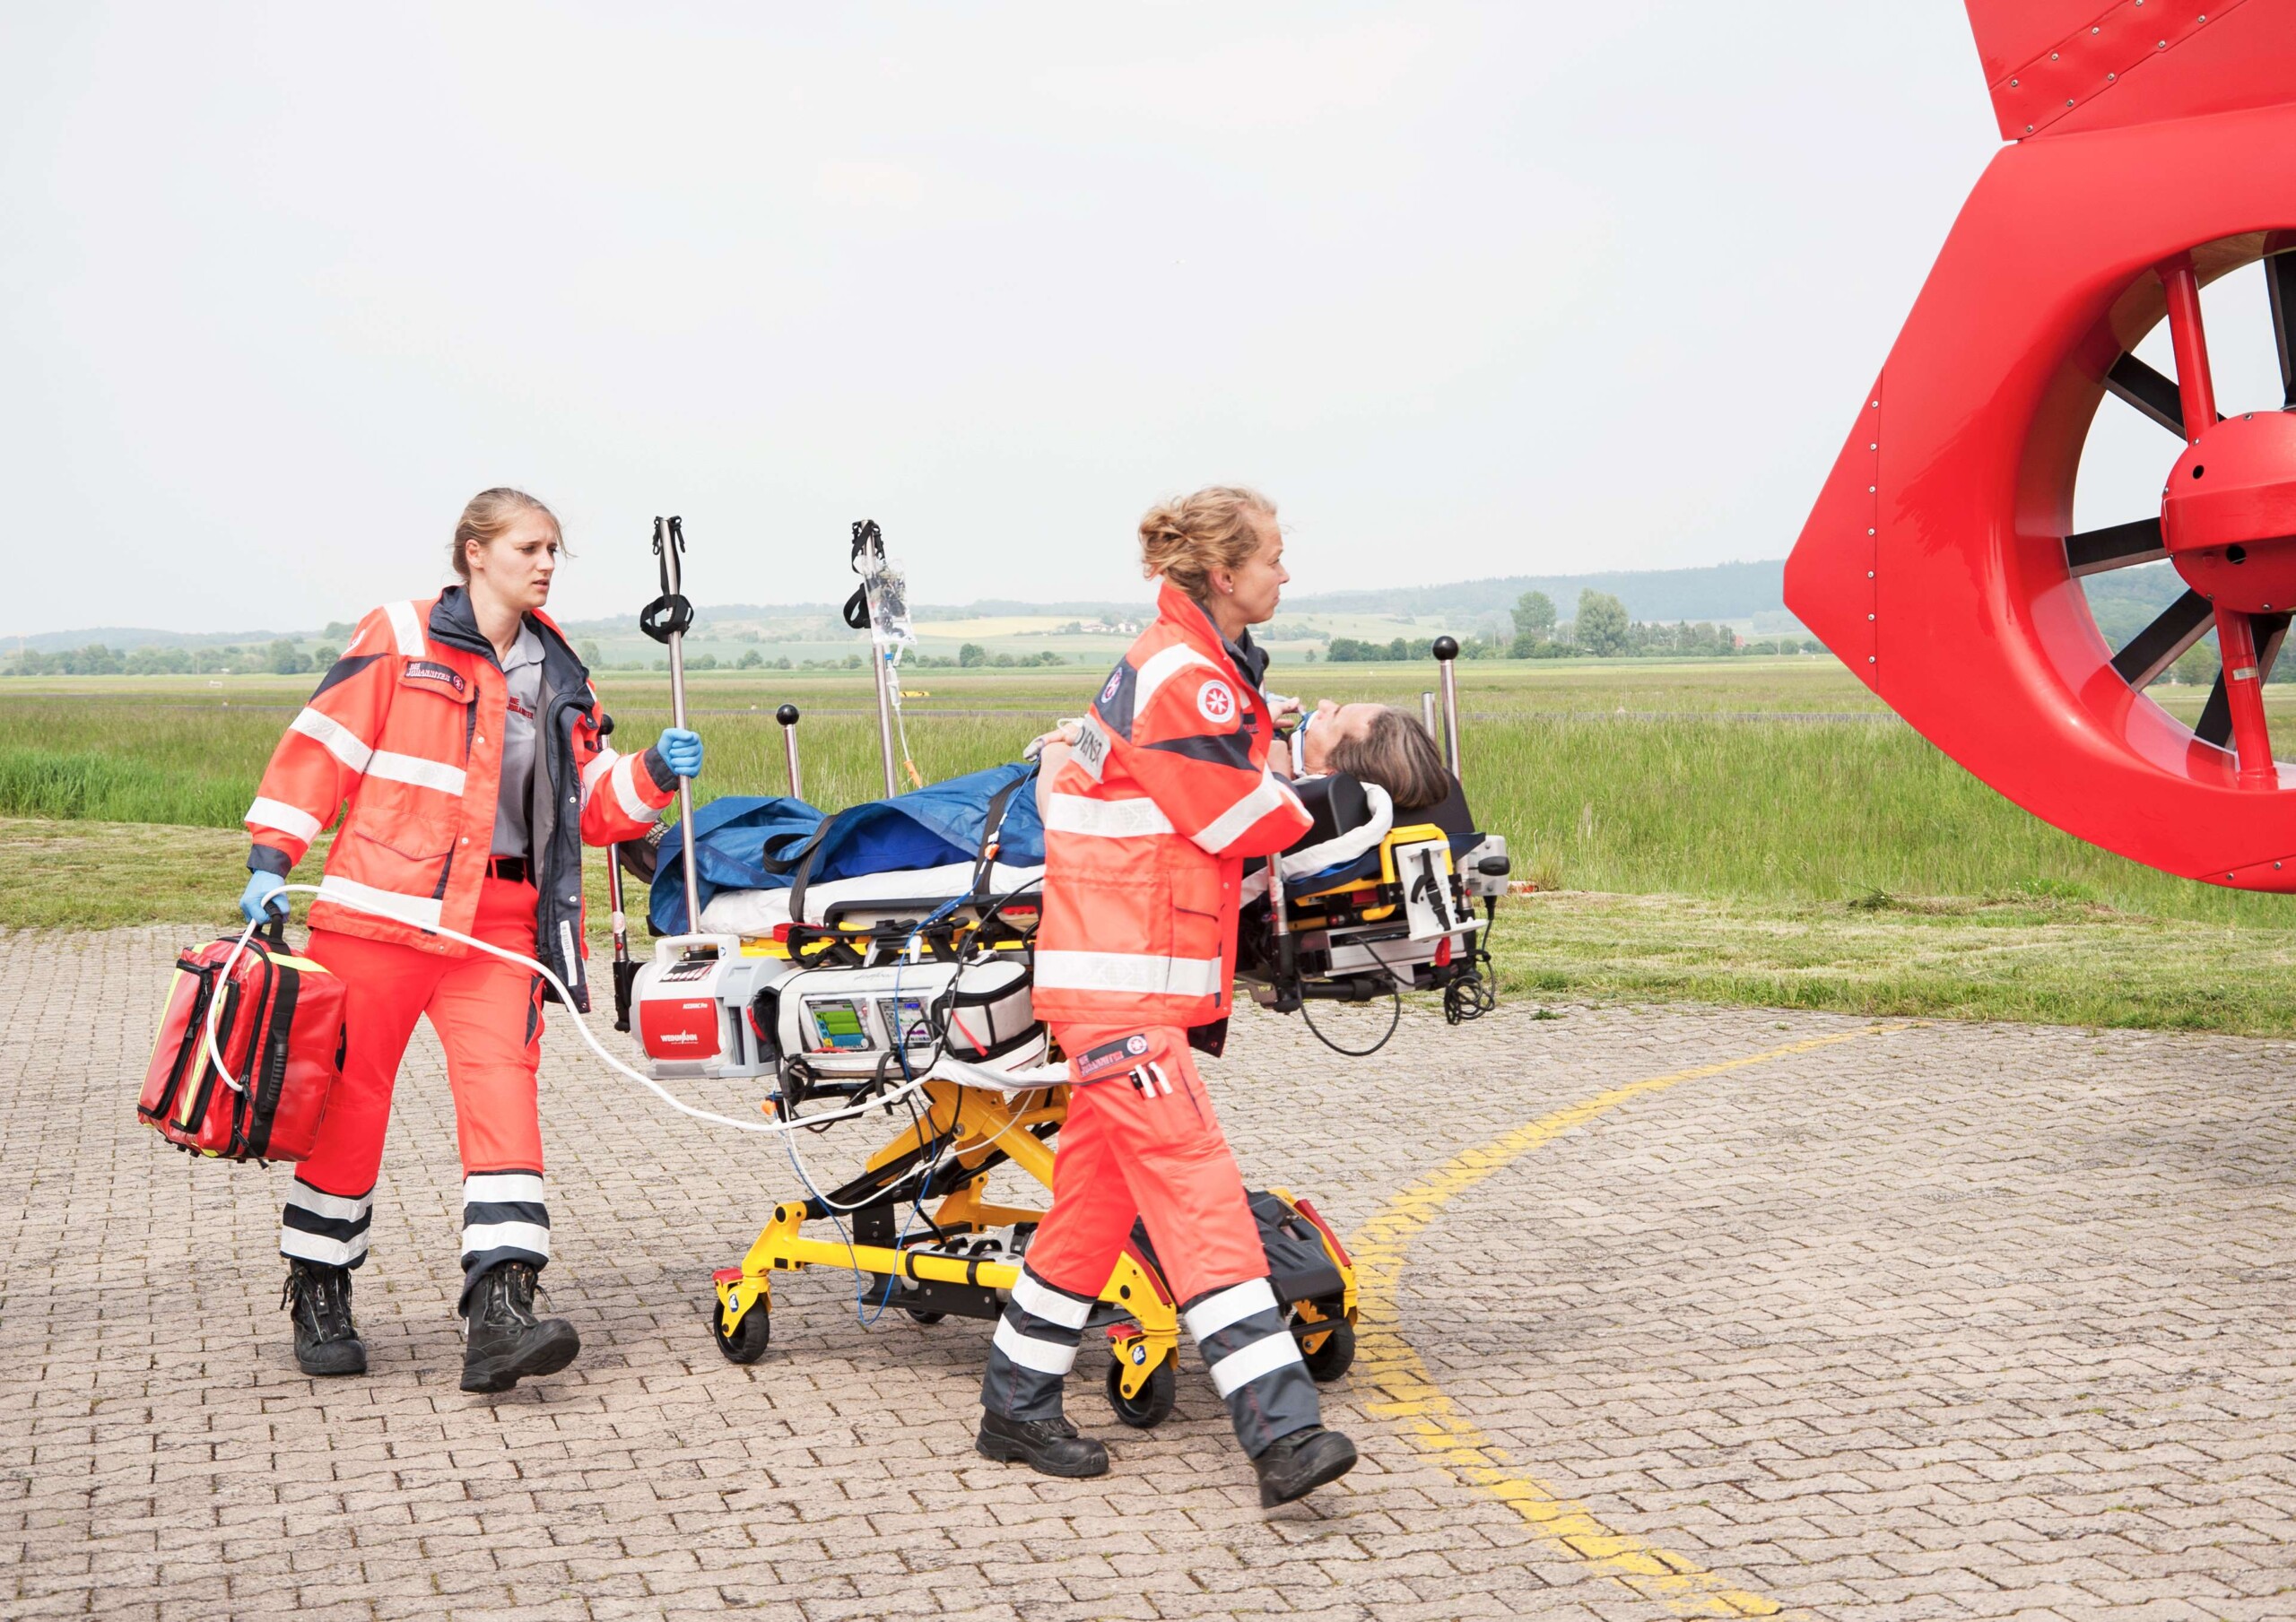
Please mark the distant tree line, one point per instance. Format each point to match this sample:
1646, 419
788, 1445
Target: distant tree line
1601, 629
971, 655
285, 657
279, 658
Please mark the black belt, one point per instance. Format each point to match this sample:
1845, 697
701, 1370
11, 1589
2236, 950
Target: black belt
513, 868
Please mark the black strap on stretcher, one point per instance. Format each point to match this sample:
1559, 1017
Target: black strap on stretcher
804, 874
1429, 888
984, 860
992, 827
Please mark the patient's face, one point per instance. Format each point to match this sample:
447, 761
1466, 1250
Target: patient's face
1333, 722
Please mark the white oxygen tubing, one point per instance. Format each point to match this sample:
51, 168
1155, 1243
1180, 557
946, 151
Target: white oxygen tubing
777, 1128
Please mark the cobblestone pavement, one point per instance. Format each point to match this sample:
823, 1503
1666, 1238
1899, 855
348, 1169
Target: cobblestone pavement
1936, 1322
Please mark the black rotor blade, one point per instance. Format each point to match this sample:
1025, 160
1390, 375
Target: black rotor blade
2216, 722
2271, 630
2280, 282
2092, 552
2149, 392
2162, 643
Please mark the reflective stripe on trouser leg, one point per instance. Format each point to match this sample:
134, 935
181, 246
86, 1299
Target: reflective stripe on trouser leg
1033, 1349
325, 1228
504, 1220
1254, 1363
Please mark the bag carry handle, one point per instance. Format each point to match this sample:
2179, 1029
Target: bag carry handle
277, 941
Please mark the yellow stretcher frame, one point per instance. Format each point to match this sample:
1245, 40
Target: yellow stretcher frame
1417, 833
980, 1120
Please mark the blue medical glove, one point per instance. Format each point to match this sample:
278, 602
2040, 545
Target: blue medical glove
264, 892
681, 750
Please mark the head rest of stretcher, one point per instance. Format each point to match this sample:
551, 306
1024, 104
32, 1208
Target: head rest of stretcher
1348, 819
1340, 805
1337, 804
1352, 821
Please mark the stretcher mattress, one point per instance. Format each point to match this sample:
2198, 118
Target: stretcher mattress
919, 889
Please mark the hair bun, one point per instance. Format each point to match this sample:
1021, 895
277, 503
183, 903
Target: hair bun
1182, 541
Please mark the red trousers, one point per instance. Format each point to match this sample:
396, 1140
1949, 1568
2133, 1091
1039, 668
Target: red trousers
1141, 1142
488, 1014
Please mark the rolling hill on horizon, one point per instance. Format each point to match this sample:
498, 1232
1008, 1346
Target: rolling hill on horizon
1714, 592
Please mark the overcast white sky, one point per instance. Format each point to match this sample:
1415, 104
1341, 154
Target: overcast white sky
1470, 290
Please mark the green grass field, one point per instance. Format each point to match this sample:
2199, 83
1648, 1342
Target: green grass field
1743, 830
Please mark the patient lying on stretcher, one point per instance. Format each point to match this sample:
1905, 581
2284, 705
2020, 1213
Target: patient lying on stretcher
1377, 745
1360, 768
1373, 743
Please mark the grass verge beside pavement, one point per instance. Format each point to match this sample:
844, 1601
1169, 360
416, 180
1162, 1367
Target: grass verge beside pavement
2043, 960
109, 875
2051, 960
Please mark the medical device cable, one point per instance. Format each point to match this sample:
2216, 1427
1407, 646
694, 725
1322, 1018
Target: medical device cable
771, 1128
782, 1129
994, 908
1395, 1019
920, 1175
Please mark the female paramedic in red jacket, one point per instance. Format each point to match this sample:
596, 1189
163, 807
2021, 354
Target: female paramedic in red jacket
1149, 817
467, 739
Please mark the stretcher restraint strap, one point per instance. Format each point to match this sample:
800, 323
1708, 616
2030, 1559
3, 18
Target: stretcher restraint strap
992, 827
768, 1128
805, 875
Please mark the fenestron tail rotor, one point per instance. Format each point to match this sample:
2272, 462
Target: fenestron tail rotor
1941, 563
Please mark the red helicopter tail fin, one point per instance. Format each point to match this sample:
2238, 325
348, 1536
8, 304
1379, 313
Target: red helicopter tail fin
2058, 66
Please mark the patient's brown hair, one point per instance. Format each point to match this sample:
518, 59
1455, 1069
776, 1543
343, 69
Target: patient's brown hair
1395, 752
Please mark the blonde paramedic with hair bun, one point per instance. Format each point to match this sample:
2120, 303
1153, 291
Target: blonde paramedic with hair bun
462, 740
1151, 809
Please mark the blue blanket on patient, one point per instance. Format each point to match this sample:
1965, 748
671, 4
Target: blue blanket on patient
751, 842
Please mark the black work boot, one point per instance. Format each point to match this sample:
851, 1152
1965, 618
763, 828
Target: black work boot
318, 1297
1051, 1447
506, 1342
1294, 1466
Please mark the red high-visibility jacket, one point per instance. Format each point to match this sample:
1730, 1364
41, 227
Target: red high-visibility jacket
407, 728
1147, 827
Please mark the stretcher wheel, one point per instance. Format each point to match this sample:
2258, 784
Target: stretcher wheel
747, 1343
926, 1318
1153, 1405
1335, 1356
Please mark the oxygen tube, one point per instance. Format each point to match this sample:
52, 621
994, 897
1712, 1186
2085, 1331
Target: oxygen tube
666, 619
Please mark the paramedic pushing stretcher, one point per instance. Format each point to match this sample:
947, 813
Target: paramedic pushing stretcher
465, 736
1149, 817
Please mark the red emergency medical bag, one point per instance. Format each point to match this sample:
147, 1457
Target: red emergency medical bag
279, 1027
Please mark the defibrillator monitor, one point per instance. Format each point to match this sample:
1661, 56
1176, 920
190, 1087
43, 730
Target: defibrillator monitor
906, 1022
854, 1020
839, 1024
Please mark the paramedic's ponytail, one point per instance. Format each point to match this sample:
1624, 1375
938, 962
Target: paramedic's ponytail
1184, 540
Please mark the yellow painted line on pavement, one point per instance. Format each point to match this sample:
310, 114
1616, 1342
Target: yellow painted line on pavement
1433, 1424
